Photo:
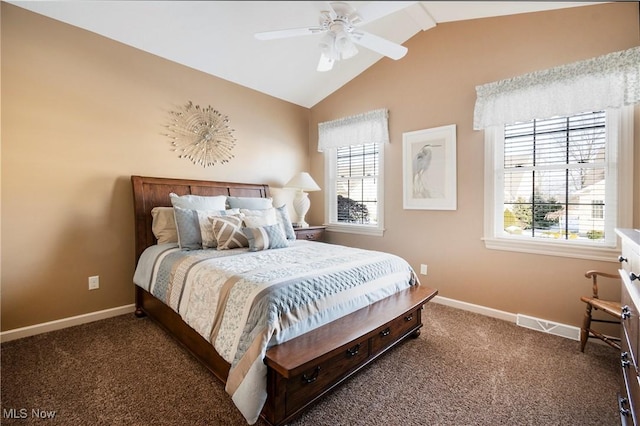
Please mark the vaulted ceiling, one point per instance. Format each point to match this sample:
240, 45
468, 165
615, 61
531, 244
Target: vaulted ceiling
217, 37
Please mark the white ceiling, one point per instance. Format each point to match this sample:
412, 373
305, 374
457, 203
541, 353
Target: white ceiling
216, 37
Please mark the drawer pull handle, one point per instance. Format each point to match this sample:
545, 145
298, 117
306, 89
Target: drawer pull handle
624, 361
385, 332
621, 405
626, 313
622, 259
354, 350
310, 379
633, 276
309, 236
408, 318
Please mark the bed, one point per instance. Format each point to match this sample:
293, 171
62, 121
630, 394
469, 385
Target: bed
284, 346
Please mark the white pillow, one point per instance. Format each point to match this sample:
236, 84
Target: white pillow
198, 202
259, 218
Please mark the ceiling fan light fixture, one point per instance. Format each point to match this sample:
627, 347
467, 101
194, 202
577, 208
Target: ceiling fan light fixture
325, 63
344, 46
338, 45
328, 45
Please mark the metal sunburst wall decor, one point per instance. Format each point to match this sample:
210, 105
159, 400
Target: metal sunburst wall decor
201, 134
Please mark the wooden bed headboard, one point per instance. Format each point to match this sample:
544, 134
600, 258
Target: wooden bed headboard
150, 192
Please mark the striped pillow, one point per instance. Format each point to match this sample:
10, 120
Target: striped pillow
228, 232
266, 237
206, 230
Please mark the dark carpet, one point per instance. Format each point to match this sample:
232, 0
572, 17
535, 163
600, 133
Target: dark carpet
464, 369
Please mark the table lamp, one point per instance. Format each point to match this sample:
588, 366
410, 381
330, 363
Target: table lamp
302, 182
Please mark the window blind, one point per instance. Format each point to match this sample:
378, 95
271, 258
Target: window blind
357, 183
555, 176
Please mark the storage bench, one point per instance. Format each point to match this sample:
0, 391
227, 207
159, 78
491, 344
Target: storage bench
305, 368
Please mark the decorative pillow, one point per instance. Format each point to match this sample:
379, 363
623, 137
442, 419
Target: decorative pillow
282, 214
252, 203
163, 225
194, 227
228, 232
258, 218
206, 229
266, 237
198, 202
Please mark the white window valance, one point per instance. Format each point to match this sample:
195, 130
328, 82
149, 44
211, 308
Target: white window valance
609, 81
368, 127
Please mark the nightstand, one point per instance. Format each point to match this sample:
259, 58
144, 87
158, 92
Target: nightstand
311, 233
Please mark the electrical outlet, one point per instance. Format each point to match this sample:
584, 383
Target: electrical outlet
423, 269
94, 282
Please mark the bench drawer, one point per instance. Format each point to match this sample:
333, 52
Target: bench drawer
319, 377
391, 332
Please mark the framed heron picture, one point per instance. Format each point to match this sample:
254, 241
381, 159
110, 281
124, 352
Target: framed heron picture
429, 169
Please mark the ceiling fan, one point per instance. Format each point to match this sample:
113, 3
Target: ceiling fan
340, 26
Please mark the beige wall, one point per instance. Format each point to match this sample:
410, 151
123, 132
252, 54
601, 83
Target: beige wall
434, 85
80, 115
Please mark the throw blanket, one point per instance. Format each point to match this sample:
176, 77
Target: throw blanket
245, 302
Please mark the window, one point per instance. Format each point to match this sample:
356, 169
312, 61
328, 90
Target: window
597, 209
557, 186
353, 148
560, 186
552, 171
353, 188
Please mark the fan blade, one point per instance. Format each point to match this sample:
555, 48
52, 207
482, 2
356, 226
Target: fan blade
293, 32
378, 9
332, 12
378, 44
325, 64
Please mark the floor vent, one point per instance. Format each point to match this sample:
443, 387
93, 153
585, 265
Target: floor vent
550, 327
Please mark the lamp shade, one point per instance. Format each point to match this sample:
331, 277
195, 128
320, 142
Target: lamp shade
303, 181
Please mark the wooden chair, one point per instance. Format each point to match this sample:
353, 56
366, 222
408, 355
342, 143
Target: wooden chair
613, 308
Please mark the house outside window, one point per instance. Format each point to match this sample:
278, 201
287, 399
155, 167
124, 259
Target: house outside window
597, 209
558, 185
354, 152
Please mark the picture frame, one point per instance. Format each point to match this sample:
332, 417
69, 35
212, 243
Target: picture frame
429, 169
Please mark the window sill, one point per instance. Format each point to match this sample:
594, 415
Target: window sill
577, 251
356, 229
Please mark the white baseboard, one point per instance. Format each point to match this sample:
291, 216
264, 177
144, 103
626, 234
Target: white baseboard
550, 327
562, 330
32, 330
478, 309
